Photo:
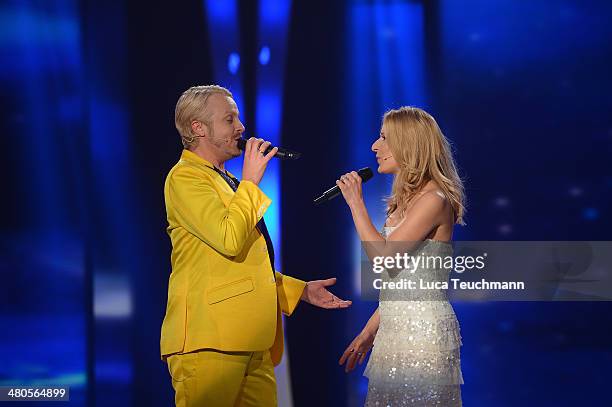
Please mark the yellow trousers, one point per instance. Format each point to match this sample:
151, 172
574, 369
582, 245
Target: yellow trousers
211, 378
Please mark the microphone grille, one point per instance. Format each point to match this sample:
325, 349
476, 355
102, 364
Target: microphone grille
365, 173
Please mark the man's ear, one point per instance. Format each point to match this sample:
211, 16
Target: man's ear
199, 129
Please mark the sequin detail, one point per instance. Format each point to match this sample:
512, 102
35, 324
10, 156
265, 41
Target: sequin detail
416, 356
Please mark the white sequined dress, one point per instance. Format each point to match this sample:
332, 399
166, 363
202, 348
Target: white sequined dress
415, 360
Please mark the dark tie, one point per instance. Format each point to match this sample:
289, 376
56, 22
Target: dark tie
261, 225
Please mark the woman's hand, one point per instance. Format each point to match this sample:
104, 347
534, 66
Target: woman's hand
357, 350
350, 185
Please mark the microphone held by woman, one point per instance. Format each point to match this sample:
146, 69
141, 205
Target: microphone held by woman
365, 174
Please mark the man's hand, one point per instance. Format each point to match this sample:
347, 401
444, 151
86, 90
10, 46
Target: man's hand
255, 161
316, 294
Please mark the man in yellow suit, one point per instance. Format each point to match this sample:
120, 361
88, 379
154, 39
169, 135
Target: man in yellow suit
222, 334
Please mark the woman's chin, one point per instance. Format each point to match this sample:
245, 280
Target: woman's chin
382, 169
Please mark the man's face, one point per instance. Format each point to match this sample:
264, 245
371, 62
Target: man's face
226, 127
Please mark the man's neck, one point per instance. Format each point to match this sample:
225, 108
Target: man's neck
210, 157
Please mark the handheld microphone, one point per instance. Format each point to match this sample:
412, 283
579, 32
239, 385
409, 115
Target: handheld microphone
282, 153
365, 173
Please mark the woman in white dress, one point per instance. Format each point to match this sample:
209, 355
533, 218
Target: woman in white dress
414, 337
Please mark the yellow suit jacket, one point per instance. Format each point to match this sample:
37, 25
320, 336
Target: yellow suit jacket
222, 292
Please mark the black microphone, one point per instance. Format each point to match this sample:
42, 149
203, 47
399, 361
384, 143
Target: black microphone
365, 173
282, 153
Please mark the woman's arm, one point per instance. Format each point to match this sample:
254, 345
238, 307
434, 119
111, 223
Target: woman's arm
363, 224
361, 345
424, 215
350, 185
372, 326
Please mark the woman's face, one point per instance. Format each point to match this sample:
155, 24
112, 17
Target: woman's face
386, 161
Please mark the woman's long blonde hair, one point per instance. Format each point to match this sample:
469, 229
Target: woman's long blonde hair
422, 153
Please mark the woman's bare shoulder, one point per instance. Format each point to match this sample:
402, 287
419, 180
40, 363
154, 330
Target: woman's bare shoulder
432, 188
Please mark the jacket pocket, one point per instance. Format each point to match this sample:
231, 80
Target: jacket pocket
229, 290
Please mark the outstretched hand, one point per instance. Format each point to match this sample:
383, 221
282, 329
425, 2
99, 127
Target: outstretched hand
316, 294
